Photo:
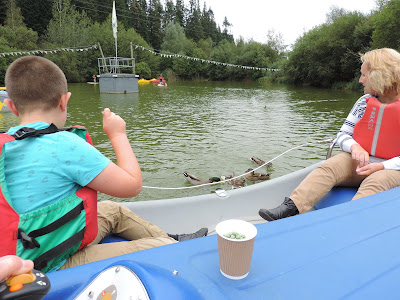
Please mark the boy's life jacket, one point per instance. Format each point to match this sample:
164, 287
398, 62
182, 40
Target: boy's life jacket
50, 234
378, 131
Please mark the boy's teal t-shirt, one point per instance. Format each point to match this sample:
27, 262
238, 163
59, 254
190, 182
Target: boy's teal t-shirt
42, 170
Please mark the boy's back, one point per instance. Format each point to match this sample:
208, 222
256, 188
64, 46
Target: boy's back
61, 228
42, 170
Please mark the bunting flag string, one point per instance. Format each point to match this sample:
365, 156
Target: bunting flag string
87, 48
34, 52
203, 60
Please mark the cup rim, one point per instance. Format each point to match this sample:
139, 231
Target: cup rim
230, 225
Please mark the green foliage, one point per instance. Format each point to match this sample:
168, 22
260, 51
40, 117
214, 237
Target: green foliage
139, 18
210, 28
4, 61
224, 52
255, 55
169, 75
37, 14
13, 15
328, 53
193, 28
169, 12
206, 45
180, 12
143, 70
3, 11
326, 56
386, 26
69, 27
189, 69
70, 63
155, 13
19, 37
174, 39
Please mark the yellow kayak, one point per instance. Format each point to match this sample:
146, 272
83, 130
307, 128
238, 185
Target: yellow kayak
143, 81
2, 88
3, 107
3, 95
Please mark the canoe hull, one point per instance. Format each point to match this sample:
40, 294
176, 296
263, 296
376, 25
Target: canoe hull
344, 251
348, 250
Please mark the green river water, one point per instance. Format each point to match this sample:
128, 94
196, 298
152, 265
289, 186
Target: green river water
211, 128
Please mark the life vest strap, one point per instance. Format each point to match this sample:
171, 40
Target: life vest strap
25, 132
27, 241
72, 214
42, 260
377, 129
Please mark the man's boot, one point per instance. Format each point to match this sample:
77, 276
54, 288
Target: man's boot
286, 209
189, 236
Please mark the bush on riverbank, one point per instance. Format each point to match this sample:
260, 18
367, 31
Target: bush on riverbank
326, 56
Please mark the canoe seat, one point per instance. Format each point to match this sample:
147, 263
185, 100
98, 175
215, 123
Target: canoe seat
112, 238
336, 196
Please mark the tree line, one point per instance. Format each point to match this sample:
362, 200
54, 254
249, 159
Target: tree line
325, 56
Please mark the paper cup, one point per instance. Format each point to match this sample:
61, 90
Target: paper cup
235, 254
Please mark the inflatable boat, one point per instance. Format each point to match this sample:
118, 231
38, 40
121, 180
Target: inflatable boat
341, 250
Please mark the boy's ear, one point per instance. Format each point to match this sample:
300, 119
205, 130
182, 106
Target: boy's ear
64, 101
10, 104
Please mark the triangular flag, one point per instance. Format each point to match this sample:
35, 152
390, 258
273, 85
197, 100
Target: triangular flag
114, 21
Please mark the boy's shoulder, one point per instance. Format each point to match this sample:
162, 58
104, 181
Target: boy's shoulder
61, 137
42, 125
36, 125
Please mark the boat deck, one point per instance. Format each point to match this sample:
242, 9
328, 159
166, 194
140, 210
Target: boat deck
347, 251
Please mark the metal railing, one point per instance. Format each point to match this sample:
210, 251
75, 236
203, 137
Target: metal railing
116, 65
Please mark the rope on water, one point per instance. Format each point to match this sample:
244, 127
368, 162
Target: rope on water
230, 179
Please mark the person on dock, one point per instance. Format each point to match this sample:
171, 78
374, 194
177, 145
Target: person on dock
367, 162
50, 178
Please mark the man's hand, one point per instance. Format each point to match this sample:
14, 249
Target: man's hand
369, 169
14, 265
113, 125
359, 155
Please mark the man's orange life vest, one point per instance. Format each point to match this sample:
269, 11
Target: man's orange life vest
378, 131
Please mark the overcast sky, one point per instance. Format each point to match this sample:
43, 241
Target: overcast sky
291, 18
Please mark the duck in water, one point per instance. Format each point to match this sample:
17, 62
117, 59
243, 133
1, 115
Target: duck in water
260, 162
197, 180
236, 182
257, 176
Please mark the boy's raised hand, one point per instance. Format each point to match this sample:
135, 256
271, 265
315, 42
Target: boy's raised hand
123, 179
113, 125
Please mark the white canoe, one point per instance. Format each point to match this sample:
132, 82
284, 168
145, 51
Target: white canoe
343, 251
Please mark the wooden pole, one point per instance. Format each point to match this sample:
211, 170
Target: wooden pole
133, 60
102, 55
